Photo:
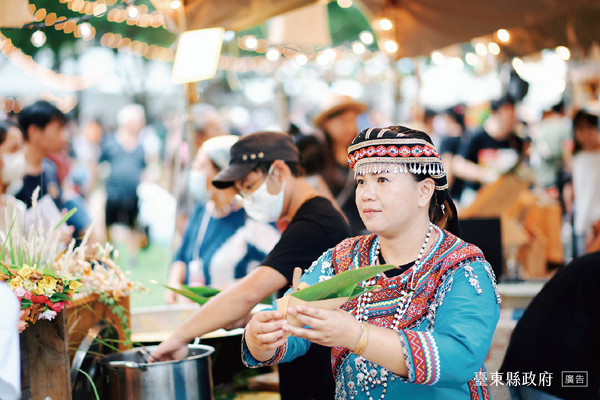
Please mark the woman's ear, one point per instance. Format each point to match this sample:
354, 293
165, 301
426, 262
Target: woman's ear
425, 189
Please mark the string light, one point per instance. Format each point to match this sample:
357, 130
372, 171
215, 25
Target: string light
301, 59
366, 37
228, 36
250, 42
437, 57
136, 47
273, 54
132, 12
493, 48
385, 24
390, 46
471, 59
481, 49
43, 74
503, 35
175, 4
563, 52
85, 30
38, 39
358, 48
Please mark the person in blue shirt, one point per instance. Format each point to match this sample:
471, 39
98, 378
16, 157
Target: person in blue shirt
425, 330
220, 243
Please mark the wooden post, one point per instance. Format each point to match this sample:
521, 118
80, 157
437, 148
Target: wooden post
45, 366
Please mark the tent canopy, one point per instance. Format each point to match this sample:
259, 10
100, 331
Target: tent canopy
420, 26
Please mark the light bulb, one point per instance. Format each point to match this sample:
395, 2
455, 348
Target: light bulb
38, 38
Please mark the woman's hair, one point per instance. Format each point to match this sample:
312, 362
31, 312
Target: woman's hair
5, 125
582, 119
437, 214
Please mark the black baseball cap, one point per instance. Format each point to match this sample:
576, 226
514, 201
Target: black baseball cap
252, 150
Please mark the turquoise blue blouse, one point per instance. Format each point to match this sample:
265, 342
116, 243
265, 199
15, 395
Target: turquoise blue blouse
445, 333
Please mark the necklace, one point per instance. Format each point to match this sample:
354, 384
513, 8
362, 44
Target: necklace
366, 377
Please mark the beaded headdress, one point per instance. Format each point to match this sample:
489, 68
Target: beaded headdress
378, 150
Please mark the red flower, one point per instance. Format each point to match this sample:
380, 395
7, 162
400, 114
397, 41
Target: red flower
58, 306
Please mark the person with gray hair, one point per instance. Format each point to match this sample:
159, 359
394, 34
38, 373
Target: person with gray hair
220, 243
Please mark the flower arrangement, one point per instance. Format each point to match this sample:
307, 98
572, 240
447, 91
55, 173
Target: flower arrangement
42, 294
27, 258
99, 272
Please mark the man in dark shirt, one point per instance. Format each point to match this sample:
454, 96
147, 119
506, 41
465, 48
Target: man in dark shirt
264, 170
124, 152
491, 151
558, 337
43, 127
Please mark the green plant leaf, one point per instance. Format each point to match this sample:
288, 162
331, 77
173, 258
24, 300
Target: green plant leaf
50, 272
65, 218
189, 294
91, 382
340, 285
4, 270
204, 291
59, 297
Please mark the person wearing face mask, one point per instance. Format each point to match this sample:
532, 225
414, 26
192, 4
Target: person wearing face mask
264, 169
12, 169
220, 244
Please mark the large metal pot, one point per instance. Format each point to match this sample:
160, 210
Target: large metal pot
128, 376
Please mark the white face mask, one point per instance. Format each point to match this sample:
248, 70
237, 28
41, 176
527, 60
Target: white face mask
197, 186
262, 205
13, 168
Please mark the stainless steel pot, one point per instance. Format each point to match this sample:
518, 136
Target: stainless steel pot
128, 376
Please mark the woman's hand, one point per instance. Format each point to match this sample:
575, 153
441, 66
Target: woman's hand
264, 334
329, 327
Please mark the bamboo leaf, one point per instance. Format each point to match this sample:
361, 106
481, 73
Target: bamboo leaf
204, 291
189, 294
340, 285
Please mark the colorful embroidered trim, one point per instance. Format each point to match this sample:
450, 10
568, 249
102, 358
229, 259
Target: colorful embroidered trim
424, 152
422, 352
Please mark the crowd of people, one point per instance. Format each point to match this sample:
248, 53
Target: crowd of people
252, 207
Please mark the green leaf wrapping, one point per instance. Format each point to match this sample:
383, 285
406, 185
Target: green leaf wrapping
190, 293
341, 285
204, 291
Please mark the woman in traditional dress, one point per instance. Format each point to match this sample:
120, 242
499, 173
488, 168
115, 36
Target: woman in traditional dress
426, 332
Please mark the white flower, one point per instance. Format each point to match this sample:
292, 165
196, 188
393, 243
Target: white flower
48, 314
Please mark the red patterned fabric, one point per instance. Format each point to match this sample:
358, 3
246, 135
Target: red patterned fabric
415, 151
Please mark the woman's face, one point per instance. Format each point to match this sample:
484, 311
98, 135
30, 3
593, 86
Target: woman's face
203, 164
342, 128
389, 203
13, 142
587, 136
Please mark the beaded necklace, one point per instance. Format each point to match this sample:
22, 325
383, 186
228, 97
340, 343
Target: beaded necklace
371, 377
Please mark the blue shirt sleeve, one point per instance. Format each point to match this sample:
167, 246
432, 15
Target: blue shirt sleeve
455, 347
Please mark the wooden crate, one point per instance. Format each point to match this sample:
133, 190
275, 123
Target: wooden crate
84, 313
45, 365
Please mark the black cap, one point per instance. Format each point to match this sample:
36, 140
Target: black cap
253, 149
